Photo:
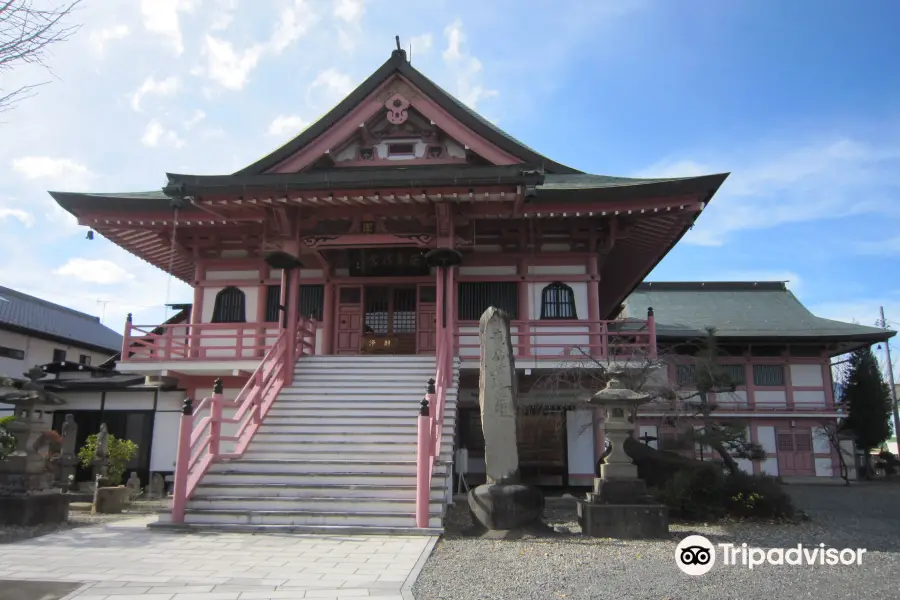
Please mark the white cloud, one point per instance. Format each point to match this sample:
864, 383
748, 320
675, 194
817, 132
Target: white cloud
350, 11
284, 124
224, 15
100, 37
94, 271
156, 135
421, 44
294, 21
465, 68
885, 247
27, 219
830, 178
53, 170
333, 85
161, 17
196, 118
165, 87
228, 67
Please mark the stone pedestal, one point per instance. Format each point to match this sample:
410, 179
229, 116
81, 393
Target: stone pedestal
506, 506
36, 509
624, 521
111, 500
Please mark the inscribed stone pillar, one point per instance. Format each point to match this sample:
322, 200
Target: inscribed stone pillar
497, 398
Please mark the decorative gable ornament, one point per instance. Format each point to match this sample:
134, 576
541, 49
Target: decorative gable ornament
397, 113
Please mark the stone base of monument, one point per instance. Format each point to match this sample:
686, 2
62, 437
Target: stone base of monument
501, 507
622, 509
111, 500
34, 509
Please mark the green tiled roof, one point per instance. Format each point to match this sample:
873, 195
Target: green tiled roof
739, 310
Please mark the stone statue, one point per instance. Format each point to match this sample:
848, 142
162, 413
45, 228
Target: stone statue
69, 434
502, 503
157, 486
101, 454
134, 485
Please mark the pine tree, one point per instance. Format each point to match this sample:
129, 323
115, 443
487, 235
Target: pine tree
867, 400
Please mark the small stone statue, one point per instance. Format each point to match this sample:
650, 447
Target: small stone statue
157, 486
101, 454
134, 484
69, 435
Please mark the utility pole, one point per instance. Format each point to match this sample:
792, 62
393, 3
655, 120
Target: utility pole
103, 313
890, 374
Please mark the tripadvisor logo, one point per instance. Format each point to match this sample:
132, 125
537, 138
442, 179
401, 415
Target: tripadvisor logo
696, 555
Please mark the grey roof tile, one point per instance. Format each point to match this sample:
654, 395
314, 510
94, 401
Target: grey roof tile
737, 309
45, 318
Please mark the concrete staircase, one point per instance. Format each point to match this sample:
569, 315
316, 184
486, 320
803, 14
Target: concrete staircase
336, 453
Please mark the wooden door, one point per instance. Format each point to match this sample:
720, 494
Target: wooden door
803, 454
348, 332
542, 447
426, 325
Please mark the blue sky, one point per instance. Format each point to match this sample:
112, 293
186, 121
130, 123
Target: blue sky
800, 101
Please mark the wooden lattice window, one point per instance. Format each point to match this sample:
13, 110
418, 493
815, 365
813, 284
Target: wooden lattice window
558, 302
273, 303
230, 306
736, 374
475, 298
768, 375
312, 301
685, 375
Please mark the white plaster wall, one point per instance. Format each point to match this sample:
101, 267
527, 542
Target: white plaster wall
469, 335
824, 467
40, 352
765, 436
769, 467
806, 375
809, 399
650, 430
847, 450
497, 270
579, 290
769, 398
223, 275
80, 401
820, 442
580, 439
736, 399
745, 465
164, 451
129, 400
170, 401
310, 273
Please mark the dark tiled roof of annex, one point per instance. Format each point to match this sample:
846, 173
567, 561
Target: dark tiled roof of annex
45, 319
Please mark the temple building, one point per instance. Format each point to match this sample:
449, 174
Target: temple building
337, 275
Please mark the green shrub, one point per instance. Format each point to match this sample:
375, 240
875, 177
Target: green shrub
708, 495
120, 454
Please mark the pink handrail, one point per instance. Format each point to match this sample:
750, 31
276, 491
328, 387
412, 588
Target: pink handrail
200, 438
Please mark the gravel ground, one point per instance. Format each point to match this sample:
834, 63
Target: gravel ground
10, 534
548, 565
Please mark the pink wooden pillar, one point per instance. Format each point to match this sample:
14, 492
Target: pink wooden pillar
215, 420
182, 461
291, 280
126, 339
328, 319
523, 348
595, 328
196, 311
451, 317
439, 311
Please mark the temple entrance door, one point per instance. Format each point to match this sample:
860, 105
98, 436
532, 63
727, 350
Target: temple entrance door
426, 331
348, 332
389, 319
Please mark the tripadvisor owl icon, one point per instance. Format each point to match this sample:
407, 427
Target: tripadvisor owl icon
695, 555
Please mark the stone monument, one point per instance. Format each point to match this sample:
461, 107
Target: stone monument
134, 485
619, 506
503, 502
101, 456
27, 496
68, 458
157, 487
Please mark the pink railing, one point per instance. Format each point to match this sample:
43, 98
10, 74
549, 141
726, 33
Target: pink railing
431, 415
204, 341
568, 340
200, 437
741, 406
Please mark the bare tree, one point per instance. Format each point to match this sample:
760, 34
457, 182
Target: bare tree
831, 431
27, 30
679, 402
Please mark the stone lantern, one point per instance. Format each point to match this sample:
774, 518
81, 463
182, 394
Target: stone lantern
619, 505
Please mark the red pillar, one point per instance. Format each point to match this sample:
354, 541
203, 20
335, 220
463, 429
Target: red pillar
293, 304
182, 461
595, 328
328, 319
196, 310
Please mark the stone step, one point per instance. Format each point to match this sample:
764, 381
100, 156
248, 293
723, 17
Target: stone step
314, 467
276, 427
349, 409
236, 477
304, 517
313, 447
348, 420
386, 490
349, 504
329, 530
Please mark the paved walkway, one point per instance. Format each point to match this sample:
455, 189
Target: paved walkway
126, 561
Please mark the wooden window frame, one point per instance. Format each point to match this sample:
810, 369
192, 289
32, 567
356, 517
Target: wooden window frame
219, 307
558, 303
